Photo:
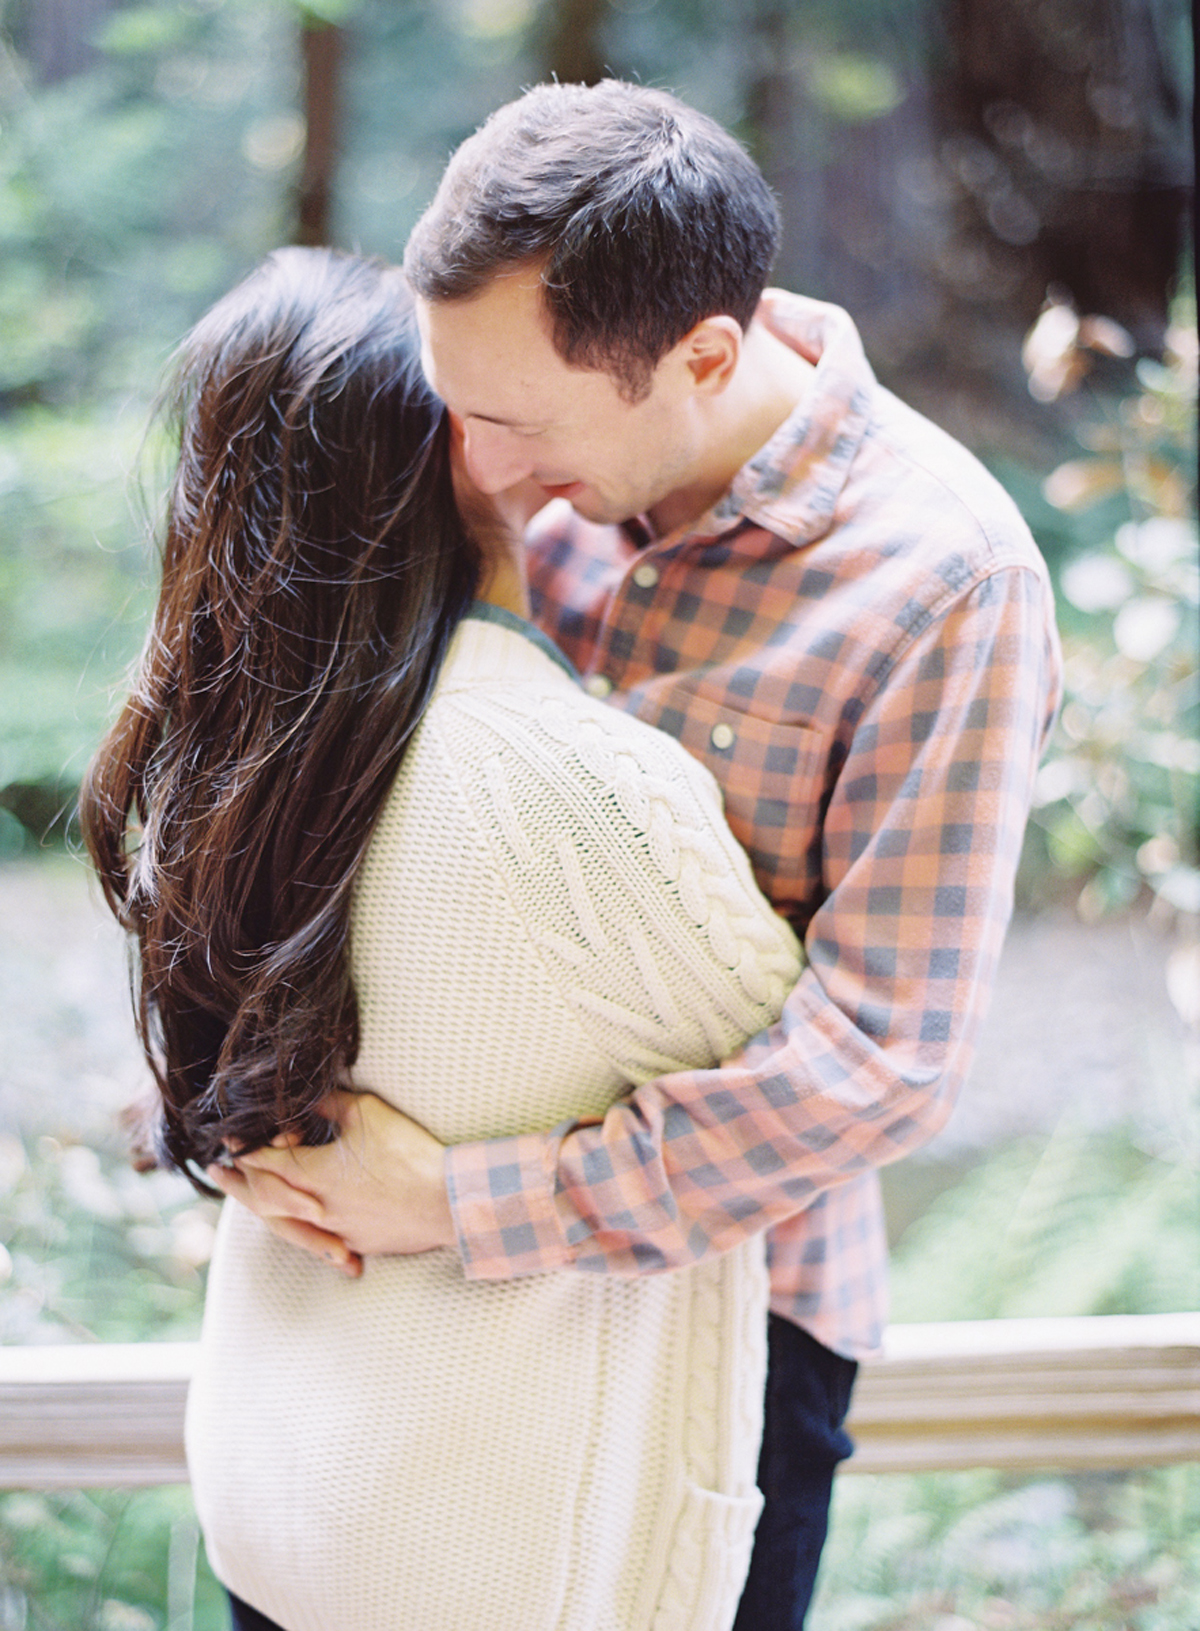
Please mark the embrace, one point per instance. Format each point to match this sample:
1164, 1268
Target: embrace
567, 814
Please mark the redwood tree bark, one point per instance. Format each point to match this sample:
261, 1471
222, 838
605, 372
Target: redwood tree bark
569, 33
1067, 127
322, 48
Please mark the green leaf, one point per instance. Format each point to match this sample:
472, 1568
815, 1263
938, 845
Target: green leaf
854, 88
142, 29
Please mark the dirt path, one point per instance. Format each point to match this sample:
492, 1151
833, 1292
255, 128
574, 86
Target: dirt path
68, 1058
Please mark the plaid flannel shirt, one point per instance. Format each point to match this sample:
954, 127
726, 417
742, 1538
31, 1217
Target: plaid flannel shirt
858, 640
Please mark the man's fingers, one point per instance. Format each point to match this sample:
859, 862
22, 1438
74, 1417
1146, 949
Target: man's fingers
266, 1193
229, 1181
337, 1103
285, 1164
274, 1197
320, 1242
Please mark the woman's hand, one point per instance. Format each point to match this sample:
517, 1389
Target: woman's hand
378, 1189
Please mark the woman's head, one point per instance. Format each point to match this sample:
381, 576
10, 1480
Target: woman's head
313, 570
306, 429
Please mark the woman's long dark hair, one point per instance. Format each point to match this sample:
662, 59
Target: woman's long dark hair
313, 571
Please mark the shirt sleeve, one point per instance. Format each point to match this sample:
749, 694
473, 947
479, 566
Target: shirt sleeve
921, 840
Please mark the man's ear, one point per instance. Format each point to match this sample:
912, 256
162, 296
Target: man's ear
711, 352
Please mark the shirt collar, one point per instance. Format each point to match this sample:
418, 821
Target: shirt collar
483, 611
791, 486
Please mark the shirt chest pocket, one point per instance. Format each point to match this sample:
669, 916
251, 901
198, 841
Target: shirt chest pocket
774, 779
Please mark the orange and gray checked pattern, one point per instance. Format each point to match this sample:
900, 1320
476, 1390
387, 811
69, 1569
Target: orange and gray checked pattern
858, 641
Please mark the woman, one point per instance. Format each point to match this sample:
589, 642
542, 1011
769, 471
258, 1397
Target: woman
358, 814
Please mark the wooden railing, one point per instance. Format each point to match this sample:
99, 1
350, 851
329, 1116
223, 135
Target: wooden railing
1119, 1391
1102, 1392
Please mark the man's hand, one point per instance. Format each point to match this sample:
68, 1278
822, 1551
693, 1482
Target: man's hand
377, 1189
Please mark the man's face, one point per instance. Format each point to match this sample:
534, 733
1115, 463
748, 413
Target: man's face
524, 412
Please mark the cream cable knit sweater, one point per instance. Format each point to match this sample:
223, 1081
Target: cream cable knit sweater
551, 908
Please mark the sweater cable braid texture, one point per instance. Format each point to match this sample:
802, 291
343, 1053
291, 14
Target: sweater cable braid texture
551, 909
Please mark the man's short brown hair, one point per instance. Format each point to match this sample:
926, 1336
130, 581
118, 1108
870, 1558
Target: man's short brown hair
643, 216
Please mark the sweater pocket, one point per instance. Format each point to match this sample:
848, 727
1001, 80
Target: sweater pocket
707, 1561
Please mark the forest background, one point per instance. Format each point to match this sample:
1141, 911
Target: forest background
1001, 195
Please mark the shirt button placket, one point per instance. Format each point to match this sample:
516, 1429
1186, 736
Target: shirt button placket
645, 575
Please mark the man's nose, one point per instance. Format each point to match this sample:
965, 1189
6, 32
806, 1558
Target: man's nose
494, 456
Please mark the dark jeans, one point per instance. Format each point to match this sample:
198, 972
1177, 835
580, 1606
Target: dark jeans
245, 1618
808, 1394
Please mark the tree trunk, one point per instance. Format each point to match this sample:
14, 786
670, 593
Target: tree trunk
569, 32
56, 36
1031, 143
1067, 133
322, 47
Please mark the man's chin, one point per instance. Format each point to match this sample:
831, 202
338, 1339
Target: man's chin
590, 506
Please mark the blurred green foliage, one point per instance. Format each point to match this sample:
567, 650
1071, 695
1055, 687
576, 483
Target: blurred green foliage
136, 191
1084, 1222
133, 193
978, 1551
95, 1251
105, 1560
1073, 1223
1077, 1223
131, 196
1117, 808
114, 231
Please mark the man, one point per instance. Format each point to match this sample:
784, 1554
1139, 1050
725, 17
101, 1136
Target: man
833, 606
